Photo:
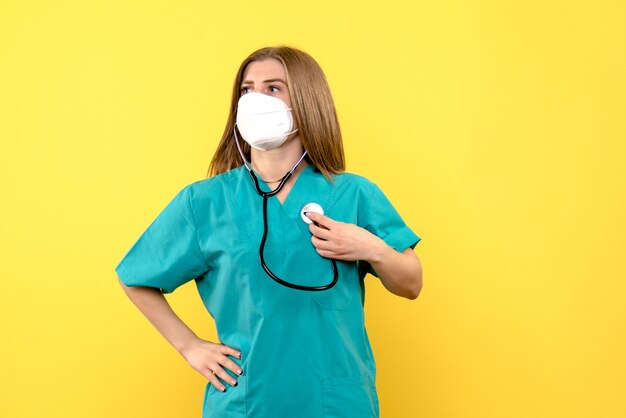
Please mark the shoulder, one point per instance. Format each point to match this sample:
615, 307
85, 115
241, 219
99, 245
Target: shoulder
218, 181
353, 180
211, 188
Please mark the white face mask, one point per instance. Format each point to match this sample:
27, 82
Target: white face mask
264, 121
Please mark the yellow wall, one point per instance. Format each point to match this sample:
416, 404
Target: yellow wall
496, 128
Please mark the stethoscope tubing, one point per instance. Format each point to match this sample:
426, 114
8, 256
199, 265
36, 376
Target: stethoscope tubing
278, 279
266, 196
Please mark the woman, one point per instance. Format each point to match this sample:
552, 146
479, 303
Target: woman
289, 315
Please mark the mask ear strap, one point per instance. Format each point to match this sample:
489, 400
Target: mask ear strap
292, 121
245, 162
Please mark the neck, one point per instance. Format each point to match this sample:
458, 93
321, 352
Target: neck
274, 164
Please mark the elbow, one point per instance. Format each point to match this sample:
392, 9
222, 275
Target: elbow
414, 292
416, 288
414, 283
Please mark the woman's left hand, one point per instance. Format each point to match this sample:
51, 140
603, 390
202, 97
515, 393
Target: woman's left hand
343, 241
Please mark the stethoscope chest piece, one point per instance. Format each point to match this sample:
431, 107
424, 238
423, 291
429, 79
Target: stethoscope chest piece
310, 207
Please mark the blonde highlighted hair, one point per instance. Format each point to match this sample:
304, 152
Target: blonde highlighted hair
313, 110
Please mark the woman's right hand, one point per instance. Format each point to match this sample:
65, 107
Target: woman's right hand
210, 359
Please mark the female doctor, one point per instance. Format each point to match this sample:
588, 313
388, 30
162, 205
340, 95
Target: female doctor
278, 240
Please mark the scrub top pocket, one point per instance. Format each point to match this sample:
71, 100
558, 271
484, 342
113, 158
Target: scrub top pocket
339, 296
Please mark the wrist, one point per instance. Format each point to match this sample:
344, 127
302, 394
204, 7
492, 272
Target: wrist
378, 251
186, 345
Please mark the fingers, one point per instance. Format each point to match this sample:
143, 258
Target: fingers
322, 220
216, 373
231, 365
321, 244
329, 254
320, 232
229, 351
213, 361
214, 381
221, 373
224, 361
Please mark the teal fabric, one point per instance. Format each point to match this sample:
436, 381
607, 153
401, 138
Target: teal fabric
304, 354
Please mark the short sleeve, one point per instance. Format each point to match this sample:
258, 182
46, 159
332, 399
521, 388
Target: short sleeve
167, 254
380, 218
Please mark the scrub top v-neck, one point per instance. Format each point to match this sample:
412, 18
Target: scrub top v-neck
304, 354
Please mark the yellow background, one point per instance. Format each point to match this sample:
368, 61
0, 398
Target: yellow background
495, 127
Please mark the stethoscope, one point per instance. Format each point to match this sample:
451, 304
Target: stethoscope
309, 207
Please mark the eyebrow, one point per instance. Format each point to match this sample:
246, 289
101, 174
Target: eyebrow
272, 80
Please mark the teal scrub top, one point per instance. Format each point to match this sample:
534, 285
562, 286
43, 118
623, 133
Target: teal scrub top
303, 354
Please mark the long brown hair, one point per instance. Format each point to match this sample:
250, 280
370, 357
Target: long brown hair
313, 111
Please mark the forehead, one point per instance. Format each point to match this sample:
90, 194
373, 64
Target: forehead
269, 68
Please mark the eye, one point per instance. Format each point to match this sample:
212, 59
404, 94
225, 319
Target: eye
274, 89
244, 90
